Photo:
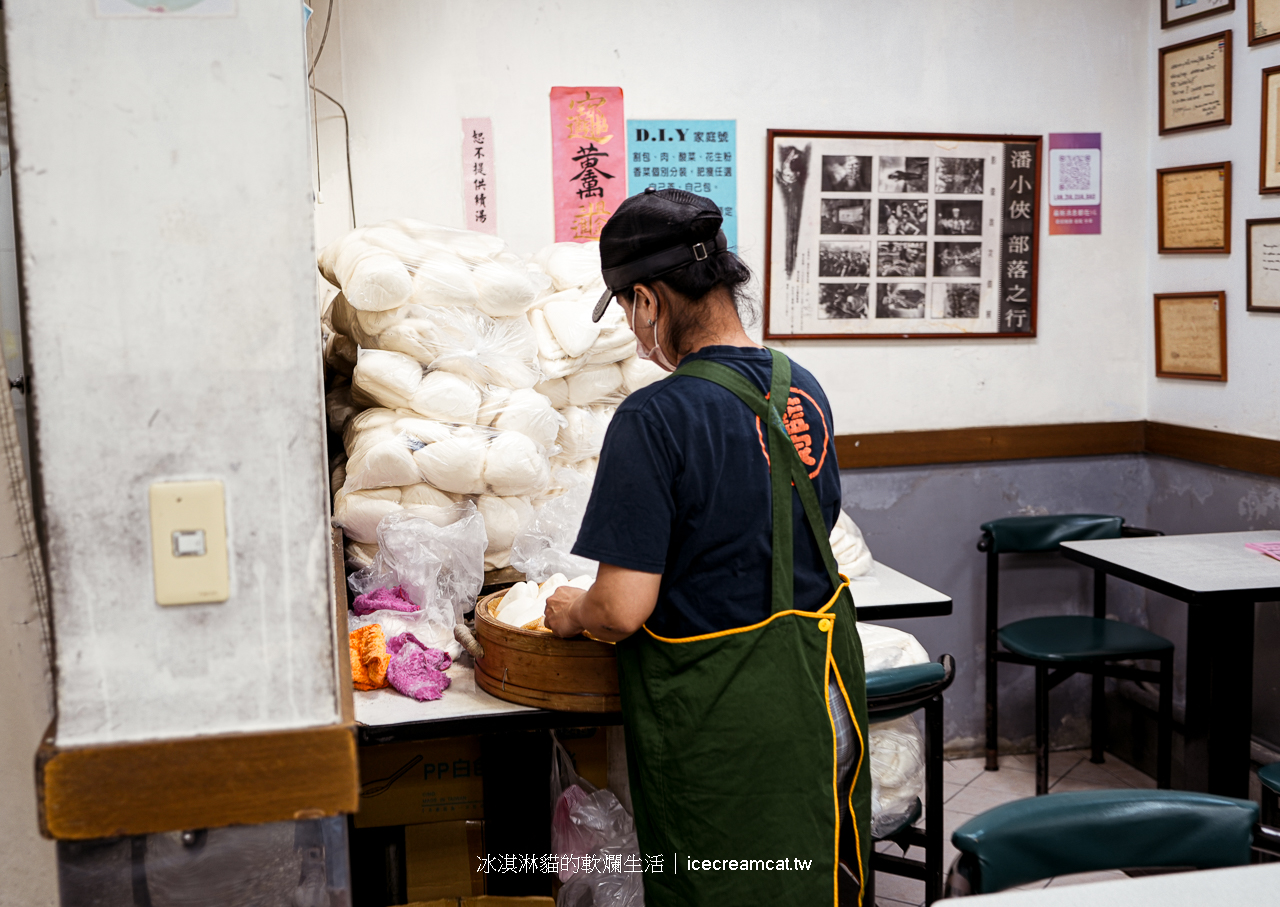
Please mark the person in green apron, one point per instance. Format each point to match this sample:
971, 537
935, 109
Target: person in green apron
742, 681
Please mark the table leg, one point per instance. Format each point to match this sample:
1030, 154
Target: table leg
1219, 698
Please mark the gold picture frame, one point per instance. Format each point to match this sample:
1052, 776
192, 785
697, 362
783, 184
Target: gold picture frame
1195, 84
1191, 335
1193, 208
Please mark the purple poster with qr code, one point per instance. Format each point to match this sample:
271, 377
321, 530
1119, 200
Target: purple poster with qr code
1075, 182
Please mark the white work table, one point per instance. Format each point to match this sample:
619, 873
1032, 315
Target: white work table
385, 716
1238, 885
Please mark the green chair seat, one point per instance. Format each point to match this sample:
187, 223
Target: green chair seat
1087, 831
1077, 638
894, 681
1269, 775
1046, 533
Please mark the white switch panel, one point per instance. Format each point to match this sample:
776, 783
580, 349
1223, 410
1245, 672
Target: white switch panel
189, 543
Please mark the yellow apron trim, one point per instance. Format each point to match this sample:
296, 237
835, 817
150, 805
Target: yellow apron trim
835, 764
857, 772
817, 615
842, 587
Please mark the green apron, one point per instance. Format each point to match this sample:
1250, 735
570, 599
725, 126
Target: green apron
730, 737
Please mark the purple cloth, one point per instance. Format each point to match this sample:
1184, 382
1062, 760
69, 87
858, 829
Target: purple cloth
383, 599
415, 670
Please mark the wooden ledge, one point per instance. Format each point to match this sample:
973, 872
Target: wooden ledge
1080, 439
155, 786
978, 445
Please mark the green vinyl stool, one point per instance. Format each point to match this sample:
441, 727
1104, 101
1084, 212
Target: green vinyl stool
1059, 647
1088, 831
1269, 775
892, 693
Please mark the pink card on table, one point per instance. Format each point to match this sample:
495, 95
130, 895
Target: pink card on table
1270, 549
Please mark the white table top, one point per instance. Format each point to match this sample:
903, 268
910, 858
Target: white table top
1238, 885
1190, 566
885, 587
882, 589
463, 699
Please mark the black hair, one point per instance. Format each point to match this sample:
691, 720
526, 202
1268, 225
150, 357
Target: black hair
693, 283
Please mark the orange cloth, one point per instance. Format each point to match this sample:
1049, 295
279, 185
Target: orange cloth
369, 658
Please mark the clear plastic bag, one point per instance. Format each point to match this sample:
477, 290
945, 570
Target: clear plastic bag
440, 567
456, 338
387, 449
593, 834
897, 771
888, 647
503, 519
541, 549
395, 381
583, 432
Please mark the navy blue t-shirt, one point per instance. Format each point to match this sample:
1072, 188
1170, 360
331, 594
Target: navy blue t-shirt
683, 490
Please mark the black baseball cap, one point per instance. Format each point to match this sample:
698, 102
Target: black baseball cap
655, 233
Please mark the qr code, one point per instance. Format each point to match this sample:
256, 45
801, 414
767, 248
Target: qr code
1073, 172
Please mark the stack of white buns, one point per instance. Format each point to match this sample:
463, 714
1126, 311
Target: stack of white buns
470, 373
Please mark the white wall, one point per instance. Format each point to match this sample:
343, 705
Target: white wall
410, 70
166, 226
1249, 402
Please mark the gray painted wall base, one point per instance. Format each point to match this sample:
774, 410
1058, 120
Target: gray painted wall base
923, 520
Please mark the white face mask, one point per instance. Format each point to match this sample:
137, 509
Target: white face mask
654, 354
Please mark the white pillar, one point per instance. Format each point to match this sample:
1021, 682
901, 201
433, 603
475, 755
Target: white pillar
162, 173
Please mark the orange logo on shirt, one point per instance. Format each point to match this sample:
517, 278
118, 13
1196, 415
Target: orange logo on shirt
802, 433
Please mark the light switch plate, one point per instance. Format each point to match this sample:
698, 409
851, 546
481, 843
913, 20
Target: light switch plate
189, 543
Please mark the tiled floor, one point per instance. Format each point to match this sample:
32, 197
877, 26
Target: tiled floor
969, 790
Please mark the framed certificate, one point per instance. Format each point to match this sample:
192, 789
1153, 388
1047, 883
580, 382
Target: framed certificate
1263, 275
1195, 84
1193, 208
1191, 336
1269, 155
1264, 21
898, 235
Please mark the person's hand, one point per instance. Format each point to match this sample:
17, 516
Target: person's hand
559, 616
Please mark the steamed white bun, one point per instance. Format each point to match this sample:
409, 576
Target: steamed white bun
455, 464
447, 397
359, 512
514, 465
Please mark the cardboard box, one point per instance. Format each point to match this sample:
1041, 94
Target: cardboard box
424, 781
442, 860
488, 901
590, 751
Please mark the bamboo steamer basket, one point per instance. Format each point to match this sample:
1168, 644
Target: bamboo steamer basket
533, 667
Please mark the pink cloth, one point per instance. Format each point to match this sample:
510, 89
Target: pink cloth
383, 599
415, 670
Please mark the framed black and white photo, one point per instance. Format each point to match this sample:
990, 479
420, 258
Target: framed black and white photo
1263, 273
1179, 12
891, 235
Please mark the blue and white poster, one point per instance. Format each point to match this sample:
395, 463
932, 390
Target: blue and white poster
699, 156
